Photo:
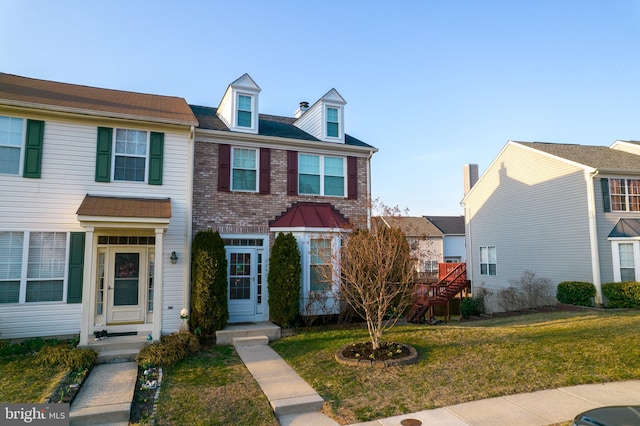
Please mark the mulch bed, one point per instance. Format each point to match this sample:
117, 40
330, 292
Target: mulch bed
145, 395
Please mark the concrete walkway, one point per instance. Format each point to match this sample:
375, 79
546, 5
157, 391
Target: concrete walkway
297, 404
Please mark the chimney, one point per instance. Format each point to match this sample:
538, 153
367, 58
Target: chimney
303, 107
470, 175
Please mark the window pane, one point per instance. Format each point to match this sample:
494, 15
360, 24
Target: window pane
129, 168
244, 180
126, 279
333, 166
244, 158
244, 103
9, 160
130, 155
617, 190
332, 122
244, 111
244, 119
11, 131
9, 291
44, 291
11, 255
626, 255
47, 251
309, 184
318, 278
309, 164
483, 255
334, 186
332, 130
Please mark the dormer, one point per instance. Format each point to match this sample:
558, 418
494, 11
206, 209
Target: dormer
238, 108
324, 119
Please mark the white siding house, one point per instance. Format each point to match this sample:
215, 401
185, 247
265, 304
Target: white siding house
557, 210
95, 199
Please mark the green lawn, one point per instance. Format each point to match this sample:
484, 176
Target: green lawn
469, 361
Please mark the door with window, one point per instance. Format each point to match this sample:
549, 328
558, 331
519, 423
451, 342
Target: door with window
242, 267
126, 286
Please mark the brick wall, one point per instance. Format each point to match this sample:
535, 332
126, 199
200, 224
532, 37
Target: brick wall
250, 213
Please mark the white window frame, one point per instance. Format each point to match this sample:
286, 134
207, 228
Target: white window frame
627, 197
322, 175
488, 261
237, 110
25, 279
21, 148
256, 170
615, 254
339, 122
115, 154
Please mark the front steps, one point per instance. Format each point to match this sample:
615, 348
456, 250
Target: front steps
231, 331
118, 348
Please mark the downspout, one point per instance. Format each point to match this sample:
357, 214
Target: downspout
370, 201
189, 219
593, 235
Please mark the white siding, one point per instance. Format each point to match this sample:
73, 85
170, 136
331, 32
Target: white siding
533, 209
311, 121
50, 204
454, 246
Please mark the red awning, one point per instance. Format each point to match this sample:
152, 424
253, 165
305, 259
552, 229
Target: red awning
310, 215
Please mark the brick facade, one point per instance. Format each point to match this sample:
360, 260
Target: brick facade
250, 213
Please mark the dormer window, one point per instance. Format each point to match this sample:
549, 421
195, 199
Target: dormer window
333, 123
244, 111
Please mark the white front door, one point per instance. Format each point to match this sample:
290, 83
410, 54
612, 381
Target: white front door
126, 285
242, 273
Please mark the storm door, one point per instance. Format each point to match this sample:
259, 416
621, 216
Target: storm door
126, 299
242, 266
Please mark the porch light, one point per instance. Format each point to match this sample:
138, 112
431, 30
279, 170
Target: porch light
174, 257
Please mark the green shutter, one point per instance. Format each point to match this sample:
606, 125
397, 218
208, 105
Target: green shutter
76, 267
33, 149
606, 200
156, 152
103, 154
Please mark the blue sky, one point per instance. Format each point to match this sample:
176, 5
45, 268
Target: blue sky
432, 84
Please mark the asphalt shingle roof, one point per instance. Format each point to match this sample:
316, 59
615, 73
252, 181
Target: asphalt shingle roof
448, 224
412, 226
269, 125
16, 90
599, 157
94, 205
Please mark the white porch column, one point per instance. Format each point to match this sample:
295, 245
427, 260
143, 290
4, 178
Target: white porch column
88, 287
157, 285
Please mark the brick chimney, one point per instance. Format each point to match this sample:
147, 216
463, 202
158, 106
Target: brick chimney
470, 175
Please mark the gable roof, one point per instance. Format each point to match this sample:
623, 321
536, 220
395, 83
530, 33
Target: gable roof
310, 215
269, 125
597, 157
449, 225
64, 97
411, 226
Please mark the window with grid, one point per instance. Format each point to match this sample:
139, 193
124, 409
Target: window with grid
244, 111
488, 262
130, 155
320, 265
625, 194
11, 138
11, 249
627, 262
333, 123
46, 265
321, 175
245, 169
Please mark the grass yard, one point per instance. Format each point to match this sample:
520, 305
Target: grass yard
469, 361
212, 387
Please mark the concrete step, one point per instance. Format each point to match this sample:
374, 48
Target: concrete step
297, 405
250, 341
264, 328
118, 348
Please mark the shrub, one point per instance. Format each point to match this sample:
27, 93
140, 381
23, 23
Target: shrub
26, 347
470, 307
284, 280
75, 359
622, 295
209, 303
575, 293
171, 349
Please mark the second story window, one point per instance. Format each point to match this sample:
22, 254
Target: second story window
11, 131
130, 155
245, 169
333, 123
625, 194
244, 111
321, 175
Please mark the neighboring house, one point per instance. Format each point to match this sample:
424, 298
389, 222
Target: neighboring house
95, 215
453, 241
257, 175
424, 238
565, 212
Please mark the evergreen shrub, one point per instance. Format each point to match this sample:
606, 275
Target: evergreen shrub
576, 293
284, 280
622, 294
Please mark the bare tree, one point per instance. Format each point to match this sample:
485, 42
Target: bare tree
377, 276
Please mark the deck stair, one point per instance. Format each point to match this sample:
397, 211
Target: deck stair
452, 282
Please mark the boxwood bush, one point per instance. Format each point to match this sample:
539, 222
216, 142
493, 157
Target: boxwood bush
622, 295
171, 349
576, 293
